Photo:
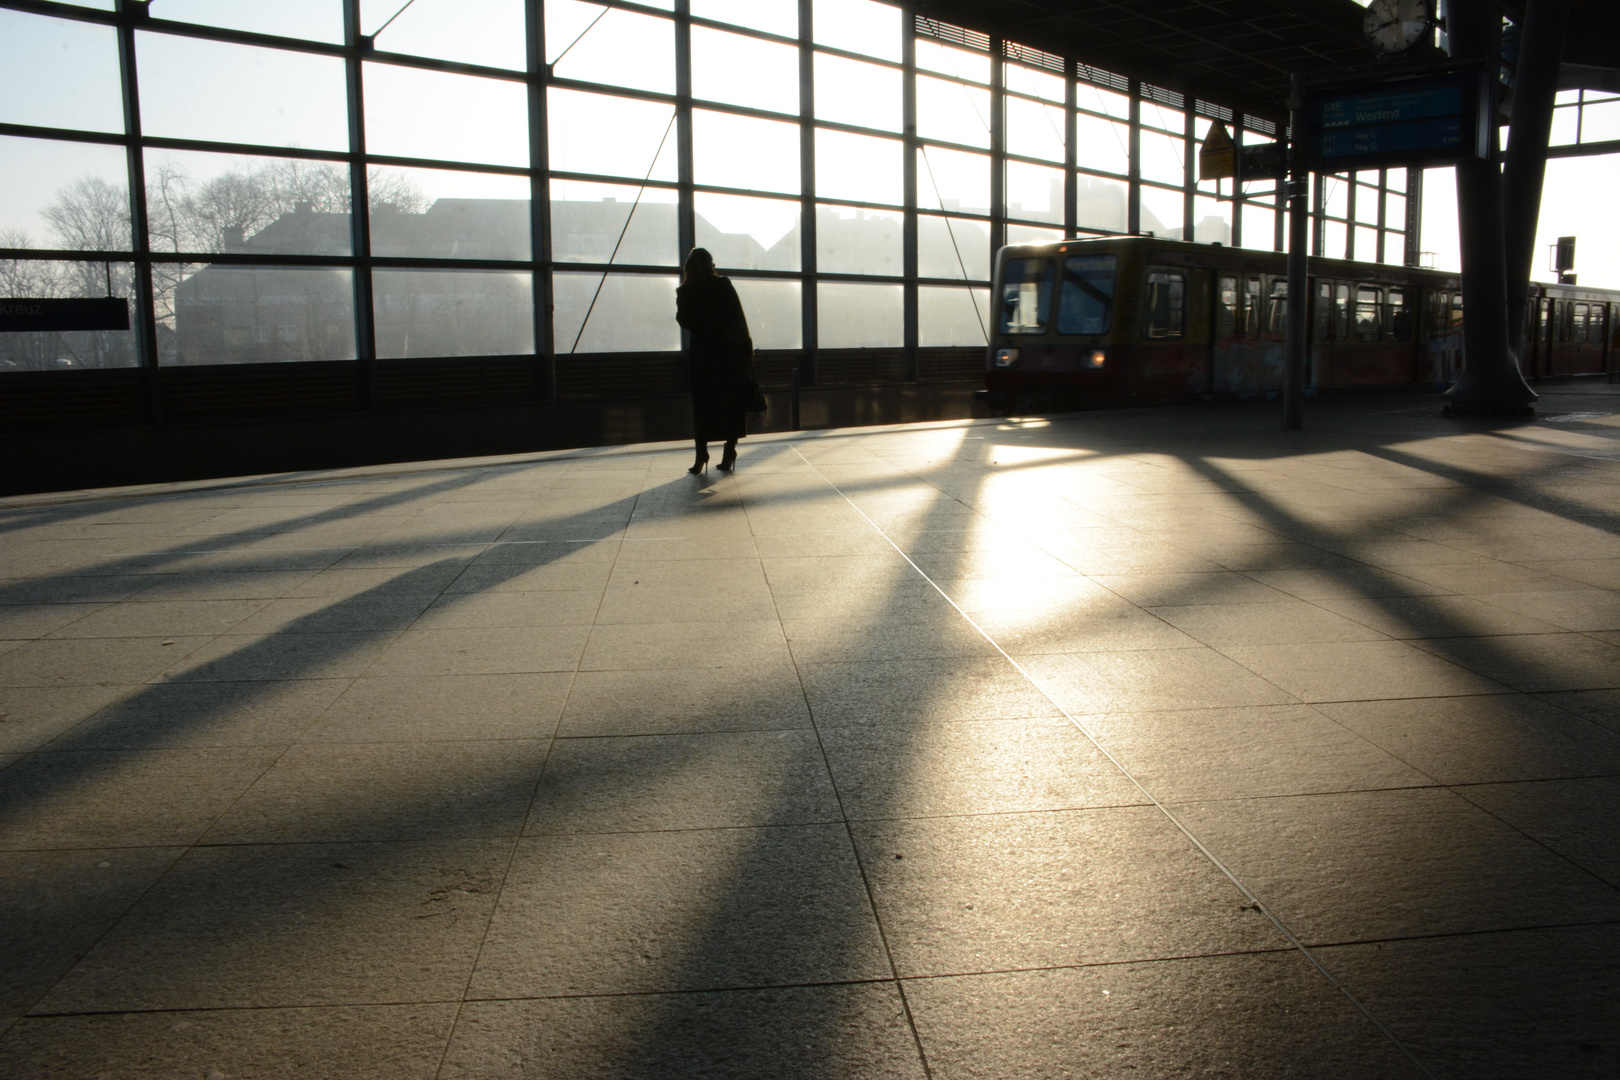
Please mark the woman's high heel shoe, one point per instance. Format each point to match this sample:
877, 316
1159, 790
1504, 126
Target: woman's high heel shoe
728, 459
700, 465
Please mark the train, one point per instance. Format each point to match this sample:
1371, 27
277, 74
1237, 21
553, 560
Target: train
1139, 318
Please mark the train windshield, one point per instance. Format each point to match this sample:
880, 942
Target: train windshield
1026, 296
1086, 300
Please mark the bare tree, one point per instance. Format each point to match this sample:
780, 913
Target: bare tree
90, 215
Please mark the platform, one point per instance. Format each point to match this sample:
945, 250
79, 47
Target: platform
1137, 743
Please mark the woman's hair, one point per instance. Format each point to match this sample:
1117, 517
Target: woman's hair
698, 263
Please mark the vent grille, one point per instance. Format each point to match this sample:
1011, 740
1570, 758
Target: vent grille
1163, 96
1214, 111
70, 400
1097, 76
860, 367
1023, 54
955, 35
228, 392
621, 375
464, 381
950, 365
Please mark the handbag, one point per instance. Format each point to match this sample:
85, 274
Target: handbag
753, 397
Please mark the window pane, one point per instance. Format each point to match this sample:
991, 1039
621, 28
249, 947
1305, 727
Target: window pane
201, 202
1034, 193
1336, 197
63, 195
1162, 212
850, 316
1032, 234
195, 89
1259, 227
435, 114
858, 26
1161, 116
1086, 296
619, 48
440, 214
1395, 180
953, 180
772, 16
860, 168
1026, 296
314, 20
1037, 82
55, 351
1367, 244
774, 311
1034, 129
952, 112
1333, 240
744, 233
587, 221
1394, 248
743, 152
253, 314
59, 73
1395, 211
632, 313
744, 71
855, 241
1102, 144
947, 316
851, 92
453, 313
642, 131
1164, 313
1163, 158
1095, 98
1212, 221
488, 32
1101, 204
947, 60
948, 246
1366, 204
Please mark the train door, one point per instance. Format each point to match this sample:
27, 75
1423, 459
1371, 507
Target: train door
1173, 353
1538, 336
1241, 362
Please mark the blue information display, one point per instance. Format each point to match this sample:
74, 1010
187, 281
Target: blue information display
1431, 120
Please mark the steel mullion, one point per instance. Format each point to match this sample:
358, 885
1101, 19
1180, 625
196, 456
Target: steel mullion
809, 312
534, 26
910, 332
685, 203
365, 318
998, 147
139, 234
1071, 152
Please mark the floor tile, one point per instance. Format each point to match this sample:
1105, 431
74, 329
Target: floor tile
413, 708
939, 689
697, 781
249, 657
387, 791
1579, 819
1434, 616
1179, 590
710, 909
172, 618
1254, 752
54, 905
758, 645
123, 798
970, 767
1536, 661
332, 1043
367, 612
649, 702
31, 716
972, 894
1355, 670
282, 925
815, 1033
94, 661
1572, 609
1144, 680
1495, 1006
1364, 866
1222, 625
1482, 739
199, 714
482, 651
1277, 1018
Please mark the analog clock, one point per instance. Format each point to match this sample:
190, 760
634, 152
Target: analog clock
1394, 26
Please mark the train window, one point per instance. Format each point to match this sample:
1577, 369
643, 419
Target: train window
1544, 317
1226, 315
1439, 311
1252, 307
1369, 312
1399, 323
1343, 316
1166, 310
1086, 297
1456, 312
1279, 306
1579, 325
1026, 296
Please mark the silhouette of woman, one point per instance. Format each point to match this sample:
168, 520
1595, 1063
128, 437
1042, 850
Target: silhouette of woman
721, 351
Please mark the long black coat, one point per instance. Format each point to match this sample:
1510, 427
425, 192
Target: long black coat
720, 355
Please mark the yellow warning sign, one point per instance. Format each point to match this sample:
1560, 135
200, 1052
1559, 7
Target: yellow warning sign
1217, 157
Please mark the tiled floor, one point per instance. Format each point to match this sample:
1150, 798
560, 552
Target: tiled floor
1142, 743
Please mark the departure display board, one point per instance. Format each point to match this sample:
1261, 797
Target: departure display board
1424, 121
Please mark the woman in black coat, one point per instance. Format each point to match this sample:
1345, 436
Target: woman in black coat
721, 351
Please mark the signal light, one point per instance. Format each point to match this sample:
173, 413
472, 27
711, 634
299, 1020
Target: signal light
1097, 360
1005, 358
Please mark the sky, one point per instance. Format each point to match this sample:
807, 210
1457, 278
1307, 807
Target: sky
65, 74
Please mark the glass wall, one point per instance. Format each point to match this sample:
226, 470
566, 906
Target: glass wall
375, 180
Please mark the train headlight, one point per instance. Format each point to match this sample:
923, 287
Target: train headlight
1097, 360
1005, 358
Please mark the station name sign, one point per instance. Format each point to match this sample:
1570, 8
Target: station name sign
1423, 121
21, 316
